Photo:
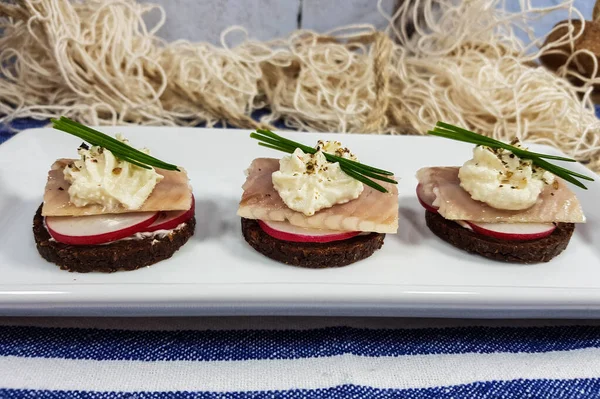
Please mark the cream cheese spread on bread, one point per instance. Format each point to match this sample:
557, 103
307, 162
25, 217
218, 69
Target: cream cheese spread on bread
502, 180
99, 177
308, 182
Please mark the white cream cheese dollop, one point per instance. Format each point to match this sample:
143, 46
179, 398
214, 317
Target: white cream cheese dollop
100, 178
308, 183
502, 180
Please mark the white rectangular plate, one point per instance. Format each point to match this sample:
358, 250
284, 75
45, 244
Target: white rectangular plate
217, 273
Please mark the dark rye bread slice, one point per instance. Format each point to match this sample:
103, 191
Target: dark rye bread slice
120, 255
534, 251
308, 254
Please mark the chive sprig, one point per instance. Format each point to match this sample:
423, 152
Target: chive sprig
121, 150
452, 132
356, 170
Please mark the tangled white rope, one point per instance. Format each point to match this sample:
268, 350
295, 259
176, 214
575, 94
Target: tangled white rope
98, 62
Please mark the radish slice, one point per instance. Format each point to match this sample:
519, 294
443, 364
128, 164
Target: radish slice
168, 220
514, 231
501, 231
98, 229
424, 203
287, 232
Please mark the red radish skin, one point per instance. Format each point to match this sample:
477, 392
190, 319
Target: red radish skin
514, 231
429, 207
97, 229
171, 219
285, 232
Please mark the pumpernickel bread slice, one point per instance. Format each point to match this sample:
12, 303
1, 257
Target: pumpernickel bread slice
117, 256
311, 255
534, 251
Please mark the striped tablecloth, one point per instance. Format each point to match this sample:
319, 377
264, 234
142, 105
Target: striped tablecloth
297, 358
234, 357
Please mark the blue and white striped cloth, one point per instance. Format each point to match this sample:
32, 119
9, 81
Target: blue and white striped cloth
297, 358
